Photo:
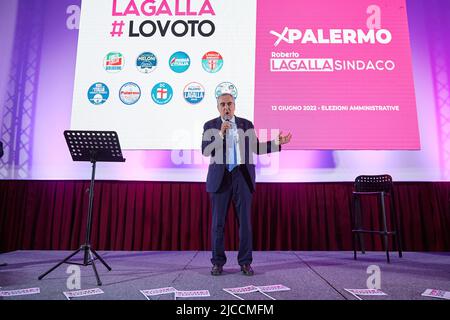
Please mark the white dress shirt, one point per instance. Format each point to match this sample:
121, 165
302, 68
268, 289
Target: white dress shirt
233, 137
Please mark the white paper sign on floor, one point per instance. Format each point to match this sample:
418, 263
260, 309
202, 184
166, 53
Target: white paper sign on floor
19, 292
192, 294
82, 293
262, 289
437, 294
159, 291
365, 292
241, 290
273, 288
178, 294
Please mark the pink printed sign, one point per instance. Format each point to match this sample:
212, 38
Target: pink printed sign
337, 74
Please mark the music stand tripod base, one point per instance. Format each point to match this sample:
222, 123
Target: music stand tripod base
90, 146
89, 259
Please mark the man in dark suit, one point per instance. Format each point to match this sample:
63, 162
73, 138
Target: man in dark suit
231, 142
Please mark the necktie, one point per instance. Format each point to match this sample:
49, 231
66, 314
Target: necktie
233, 159
232, 156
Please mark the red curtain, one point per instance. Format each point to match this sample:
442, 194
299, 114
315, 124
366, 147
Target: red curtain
45, 215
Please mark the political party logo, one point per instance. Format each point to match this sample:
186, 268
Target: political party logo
226, 87
146, 62
98, 93
212, 62
179, 62
130, 93
113, 62
162, 93
194, 93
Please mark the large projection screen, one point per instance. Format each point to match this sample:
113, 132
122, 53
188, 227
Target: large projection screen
336, 74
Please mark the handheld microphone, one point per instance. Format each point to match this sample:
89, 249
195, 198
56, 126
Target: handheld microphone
227, 119
235, 136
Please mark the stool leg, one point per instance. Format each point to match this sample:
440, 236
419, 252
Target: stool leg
353, 224
385, 234
398, 236
358, 222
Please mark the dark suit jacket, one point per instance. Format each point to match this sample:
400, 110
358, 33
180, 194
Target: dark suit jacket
215, 147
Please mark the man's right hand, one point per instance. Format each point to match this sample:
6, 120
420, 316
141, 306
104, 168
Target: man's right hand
225, 126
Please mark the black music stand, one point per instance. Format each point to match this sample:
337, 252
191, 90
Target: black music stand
91, 146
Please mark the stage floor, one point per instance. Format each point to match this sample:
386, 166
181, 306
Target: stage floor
311, 275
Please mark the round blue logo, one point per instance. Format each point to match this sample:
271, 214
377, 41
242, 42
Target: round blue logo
146, 62
98, 93
179, 62
162, 93
194, 93
130, 93
212, 62
226, 87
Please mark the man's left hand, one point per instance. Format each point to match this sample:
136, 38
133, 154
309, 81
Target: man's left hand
284, 139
